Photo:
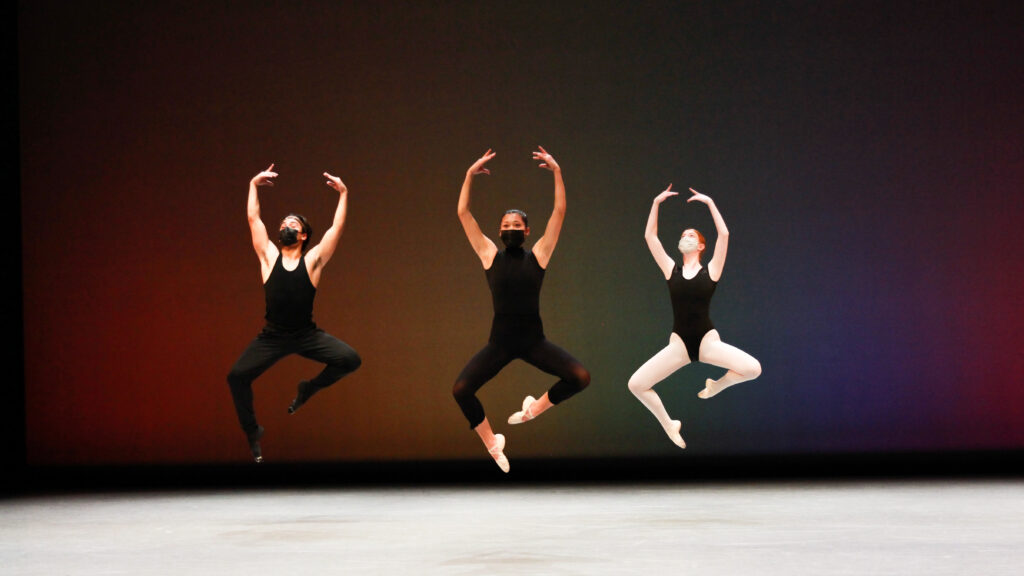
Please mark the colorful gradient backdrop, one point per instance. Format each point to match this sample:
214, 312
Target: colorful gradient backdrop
867, 157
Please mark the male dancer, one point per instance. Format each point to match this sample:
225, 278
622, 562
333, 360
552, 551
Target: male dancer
290, 279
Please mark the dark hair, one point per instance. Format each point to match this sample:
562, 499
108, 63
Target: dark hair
306, 228
526, 221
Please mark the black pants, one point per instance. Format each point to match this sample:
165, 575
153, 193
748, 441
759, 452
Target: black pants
271, 345
524, 341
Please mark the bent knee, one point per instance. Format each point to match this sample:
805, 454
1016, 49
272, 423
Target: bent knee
349, 361
582, 378
753, 370
237, 378
461, 390
637, 385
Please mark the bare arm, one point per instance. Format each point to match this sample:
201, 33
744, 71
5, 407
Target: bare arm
717, 263
661, 257
319, 255
266, 251
545, 246
482, 245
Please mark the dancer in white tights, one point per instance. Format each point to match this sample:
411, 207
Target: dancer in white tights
693, 337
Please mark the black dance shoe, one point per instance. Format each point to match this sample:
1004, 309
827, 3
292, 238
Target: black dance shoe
254, 445
304, 393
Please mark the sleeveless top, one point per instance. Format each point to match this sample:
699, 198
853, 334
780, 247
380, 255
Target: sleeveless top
691, 302
289, 296
515, 278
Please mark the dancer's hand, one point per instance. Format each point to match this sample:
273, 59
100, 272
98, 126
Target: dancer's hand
668, 193
265, 178
336, 183
698, 197
547, 161
478, 166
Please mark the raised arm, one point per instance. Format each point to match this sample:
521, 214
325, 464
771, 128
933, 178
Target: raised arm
319, 255
266, 251
483, 246
545, 246
661, 257
717, 262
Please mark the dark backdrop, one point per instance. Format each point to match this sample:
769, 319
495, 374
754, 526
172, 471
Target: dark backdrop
867, 157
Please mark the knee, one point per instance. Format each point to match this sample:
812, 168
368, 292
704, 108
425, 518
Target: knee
349, 361
236, 379
753, 370
461, 391
582, 377
355, 362
636, 385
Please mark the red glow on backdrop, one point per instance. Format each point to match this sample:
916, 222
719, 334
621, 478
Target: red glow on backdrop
867, 166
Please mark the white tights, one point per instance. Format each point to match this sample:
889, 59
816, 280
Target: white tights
740, 367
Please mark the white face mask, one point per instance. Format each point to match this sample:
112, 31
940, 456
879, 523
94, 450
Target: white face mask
688, 245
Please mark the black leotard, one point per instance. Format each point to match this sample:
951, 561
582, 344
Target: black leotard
691, 300
515, 278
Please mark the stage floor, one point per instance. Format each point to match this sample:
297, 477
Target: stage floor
928, 527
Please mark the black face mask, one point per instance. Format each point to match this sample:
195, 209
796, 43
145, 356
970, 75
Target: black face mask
289, 236
513, 238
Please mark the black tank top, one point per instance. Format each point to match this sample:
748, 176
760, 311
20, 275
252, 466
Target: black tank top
289, 296
691, 302
515, 278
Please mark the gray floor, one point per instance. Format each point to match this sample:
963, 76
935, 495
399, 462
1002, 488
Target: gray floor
911, 527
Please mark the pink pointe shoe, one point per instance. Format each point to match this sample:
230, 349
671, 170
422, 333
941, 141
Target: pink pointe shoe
523, 415
674, 435
710, 389
497, 453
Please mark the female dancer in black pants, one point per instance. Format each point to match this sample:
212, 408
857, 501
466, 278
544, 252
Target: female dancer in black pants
693, 337
514, 276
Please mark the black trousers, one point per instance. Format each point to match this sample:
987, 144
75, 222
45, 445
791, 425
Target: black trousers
273, 344
513, 339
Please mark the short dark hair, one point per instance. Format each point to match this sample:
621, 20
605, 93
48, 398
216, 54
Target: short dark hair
526, 221
306, 228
